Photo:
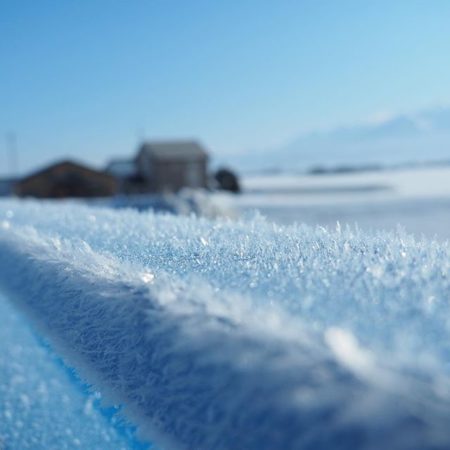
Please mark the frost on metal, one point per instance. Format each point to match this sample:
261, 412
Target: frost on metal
219, 334
41, 406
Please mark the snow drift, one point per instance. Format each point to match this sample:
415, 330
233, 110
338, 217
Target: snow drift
217, 334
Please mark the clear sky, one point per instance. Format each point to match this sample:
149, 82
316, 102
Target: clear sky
89, 79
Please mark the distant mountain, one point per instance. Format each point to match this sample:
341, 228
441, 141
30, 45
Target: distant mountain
420, 137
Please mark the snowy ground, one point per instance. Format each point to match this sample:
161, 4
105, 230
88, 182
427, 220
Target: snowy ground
417, 199
228, 334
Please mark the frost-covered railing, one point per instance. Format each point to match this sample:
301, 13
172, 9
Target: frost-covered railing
241, 335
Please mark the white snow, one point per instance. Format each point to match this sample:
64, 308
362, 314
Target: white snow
393, 184
418, 199
220, 334
188, 201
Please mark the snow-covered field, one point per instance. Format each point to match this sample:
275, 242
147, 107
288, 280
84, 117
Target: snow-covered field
237, 334
418, 199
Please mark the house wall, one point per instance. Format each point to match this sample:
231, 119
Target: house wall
144, 164
172, 175
168, 173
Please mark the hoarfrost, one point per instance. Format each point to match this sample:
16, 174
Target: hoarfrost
218, 334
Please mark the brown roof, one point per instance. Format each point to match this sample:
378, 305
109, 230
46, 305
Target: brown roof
68, 164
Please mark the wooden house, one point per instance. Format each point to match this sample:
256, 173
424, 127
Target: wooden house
67, 179
169, 166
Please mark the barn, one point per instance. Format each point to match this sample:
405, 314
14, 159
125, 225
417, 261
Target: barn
169, 166
67, 179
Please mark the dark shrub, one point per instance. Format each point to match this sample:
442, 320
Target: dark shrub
227, 180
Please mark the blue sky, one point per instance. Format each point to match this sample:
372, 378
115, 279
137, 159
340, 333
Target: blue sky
89, 79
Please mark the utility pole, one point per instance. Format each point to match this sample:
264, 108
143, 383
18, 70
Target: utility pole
12, 153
